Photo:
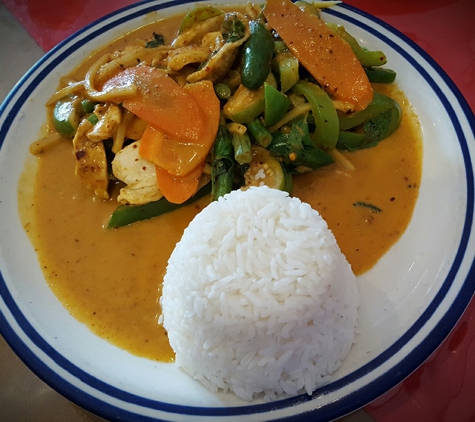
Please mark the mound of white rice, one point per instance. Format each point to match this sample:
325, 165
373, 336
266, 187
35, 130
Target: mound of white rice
258, 298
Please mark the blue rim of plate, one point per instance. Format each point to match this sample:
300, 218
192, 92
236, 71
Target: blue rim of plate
344, 405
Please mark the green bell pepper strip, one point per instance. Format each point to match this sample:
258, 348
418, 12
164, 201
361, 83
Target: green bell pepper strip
327, 126
259, 132
242, 148
276, 105
367, 58
198, 14
92, 118
222, 164
67, 114
374, 129
88, 105
129, 214
380, 104
380, 75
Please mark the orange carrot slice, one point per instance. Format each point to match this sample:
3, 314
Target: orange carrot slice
328, 58
172, 155
161, 102
178, 189
175, 156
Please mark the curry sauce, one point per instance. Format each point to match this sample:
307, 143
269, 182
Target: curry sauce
111, 279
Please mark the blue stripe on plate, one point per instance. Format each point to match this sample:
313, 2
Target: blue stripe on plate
347, 403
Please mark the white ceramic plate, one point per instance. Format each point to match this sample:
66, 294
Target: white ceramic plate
410, 300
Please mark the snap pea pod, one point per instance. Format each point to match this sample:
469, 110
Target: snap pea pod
257, 56
128, 214
367, 58
324, 113
222, 164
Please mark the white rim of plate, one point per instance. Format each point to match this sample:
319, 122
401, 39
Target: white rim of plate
340, 397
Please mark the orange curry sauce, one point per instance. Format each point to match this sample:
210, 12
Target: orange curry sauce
111, 279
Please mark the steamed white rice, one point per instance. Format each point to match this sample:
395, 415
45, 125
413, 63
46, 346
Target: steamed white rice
258, 298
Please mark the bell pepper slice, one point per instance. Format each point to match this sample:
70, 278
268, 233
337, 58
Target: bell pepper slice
327, 126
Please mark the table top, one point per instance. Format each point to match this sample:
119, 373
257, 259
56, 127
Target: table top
442, 389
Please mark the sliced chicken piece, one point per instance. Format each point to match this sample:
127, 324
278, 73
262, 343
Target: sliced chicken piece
221, 59
91, 163
110, 117
138, 174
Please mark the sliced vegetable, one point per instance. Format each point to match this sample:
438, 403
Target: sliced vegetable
297, 149
259, 132
326, 118
199, 14
175, 156
222, 164
328, 58
242, 148
67, 115
307, 7
285, 66
129, 214
276, 105
177, 189
257, 56
380, 104
161, 102
367, 58
381, 75
381, 120
88, 105
264, 169
245, 105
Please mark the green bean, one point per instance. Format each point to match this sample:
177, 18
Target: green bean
259, 132
242, 148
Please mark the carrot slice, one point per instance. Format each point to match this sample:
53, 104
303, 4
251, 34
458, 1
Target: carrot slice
161, 102
172, 155
175, 156
178, 189
328, 58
